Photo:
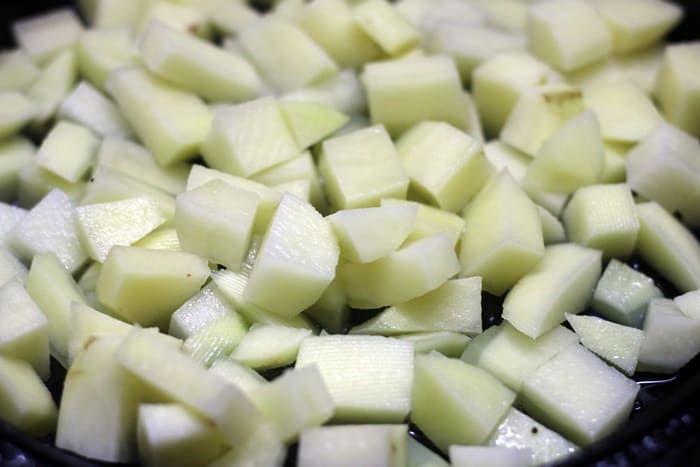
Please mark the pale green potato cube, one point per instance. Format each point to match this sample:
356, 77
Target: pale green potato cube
552, 229
182, 379
53, 289
342, 91
614, 168
11, 267
502, 238
508, 15
298, 257
88, 282
10, 216
45, 35
623, 294
232, 286
580, 396
145, 286
229, 18
331, 310
456, 403
207, 305
635, 25
269, 346
351, 445
420, 456
285, 55
603, 217
68, 150
215, 221
665, 167
450, 344
296, 401
367, 234
671, 339
361, 168
512, 356
49, 227
489, 456
248, 138
136, 161
538, 113
299, 188
430, 221
689, 303
216, 339
410, 272
616, 344
302, 167
177, 15
86, 324
101, 51
519, 431
625, 112
24, 400
15, 154
53, 84
269, 197
106, 13
562, 282
89, 107
103, 225
446, 10
24, 329
17, 70
385, 25
572, 157
245, 379
170, 435
401, 93
668, 246
104, 427
471, 45
455, 306
444, 164
108, 184
198, 66
331, 25
677, 86
172, 126
369, 378
16, 110
36, 183
642, 66
263, 448
498, 82
310, 123
161, 239
568, 34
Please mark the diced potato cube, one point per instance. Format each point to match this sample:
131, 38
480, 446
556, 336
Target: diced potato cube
44, 36
68, 151
87, 106
101, 51
386, 26
488, 456
678, 86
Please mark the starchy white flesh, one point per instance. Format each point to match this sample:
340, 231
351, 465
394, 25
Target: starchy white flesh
450, 344
502, 238
367, 234
101, 51
417, 455
15, 154
297, 258
17, 111
430, 221
488, 456
512, 356
455, 306
11, 267
269, 346
183, 18
603, 217
677, 88
170, 435
401, 93
53, 84
361, 168
562, 282
689, 304
311, 122
53, 289
567, 34
86, 324
601, 402
216, 339
622, 294
10, 215
519, 431
385, 25
444, 164
670, 338
552, 229
349, 445
25, 401
17, 70
245, 379
369, 378
24, 329
145, 286
198, 66
104, 225
410, 272
205, 306
616, 344
89, 107
44, 36
456, 403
